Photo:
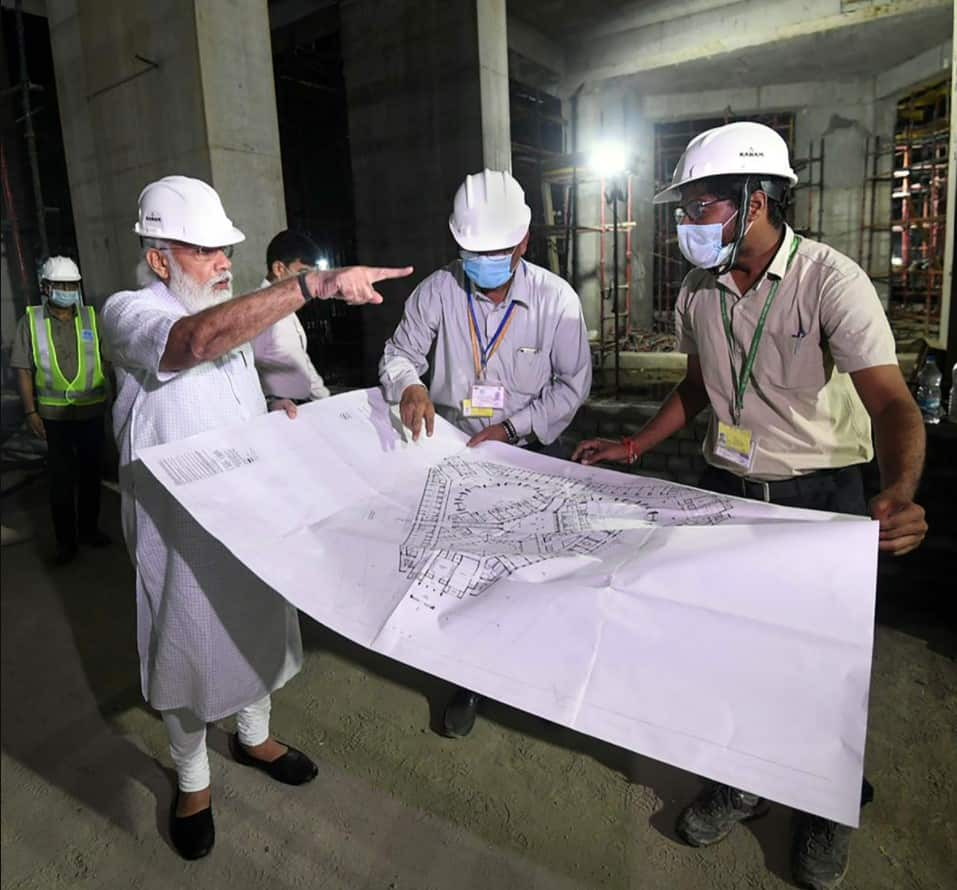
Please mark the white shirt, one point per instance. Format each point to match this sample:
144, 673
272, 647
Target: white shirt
211, 636
825, 323
283, 362
543, 360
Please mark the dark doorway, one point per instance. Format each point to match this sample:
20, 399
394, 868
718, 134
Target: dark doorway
317, 174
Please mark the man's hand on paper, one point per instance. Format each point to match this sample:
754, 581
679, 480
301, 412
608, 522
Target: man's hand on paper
415, 406
284, 405
494, 433
592, 451
902, 522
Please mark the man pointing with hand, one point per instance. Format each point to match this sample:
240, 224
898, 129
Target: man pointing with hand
213, 641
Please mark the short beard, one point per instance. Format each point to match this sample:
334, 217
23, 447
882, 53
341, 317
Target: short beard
197, 297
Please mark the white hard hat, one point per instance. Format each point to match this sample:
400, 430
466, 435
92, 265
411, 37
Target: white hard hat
740, 149
489, 212
59, 268
187, 210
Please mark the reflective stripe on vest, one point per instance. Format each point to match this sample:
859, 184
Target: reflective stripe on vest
52, 388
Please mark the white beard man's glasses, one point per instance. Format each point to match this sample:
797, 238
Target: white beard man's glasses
203, 253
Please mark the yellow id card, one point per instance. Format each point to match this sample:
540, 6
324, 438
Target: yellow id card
736, 444
470, 410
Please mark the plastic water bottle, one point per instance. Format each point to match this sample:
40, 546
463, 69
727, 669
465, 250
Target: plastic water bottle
952, 405
928, 391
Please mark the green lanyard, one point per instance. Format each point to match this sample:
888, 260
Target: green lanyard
740, 384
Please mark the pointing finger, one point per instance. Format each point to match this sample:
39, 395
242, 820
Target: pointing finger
380, 273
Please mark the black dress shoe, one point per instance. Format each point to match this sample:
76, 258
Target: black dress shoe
460, 714
293, 768
192, 836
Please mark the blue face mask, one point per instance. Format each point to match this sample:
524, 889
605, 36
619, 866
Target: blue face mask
487, 272
64, 298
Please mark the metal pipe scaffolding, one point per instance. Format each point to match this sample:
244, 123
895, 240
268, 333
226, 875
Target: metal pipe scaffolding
30, 134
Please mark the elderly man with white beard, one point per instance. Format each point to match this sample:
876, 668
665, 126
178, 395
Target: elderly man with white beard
213, 640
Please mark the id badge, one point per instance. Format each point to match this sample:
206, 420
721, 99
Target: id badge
735, 444
488, 395
471, 410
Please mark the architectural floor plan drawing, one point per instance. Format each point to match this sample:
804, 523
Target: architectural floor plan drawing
725, 636
479, 521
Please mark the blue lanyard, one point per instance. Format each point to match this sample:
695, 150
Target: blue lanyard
486, 351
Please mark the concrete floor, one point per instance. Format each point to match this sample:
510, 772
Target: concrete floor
87, 785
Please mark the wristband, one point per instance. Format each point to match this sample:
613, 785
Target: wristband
513, 437
301, 278
631, 454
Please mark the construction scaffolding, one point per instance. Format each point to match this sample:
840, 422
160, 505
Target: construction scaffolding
32, 163
812, 184
561, 177
873, 240
918, 212
552, 177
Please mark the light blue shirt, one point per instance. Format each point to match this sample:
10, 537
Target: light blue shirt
543, 360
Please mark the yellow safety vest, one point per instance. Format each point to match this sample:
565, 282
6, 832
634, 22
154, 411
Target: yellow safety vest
52, 388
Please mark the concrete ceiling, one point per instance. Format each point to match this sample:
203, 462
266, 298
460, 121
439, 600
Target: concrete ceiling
567, 21
560, 43
860, 50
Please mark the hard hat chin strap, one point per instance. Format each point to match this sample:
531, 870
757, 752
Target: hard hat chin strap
741, 229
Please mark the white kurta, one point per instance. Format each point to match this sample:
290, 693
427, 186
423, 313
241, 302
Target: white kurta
212, 637
282, 360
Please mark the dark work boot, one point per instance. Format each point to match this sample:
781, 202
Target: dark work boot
715, 812
460, 714
821, 848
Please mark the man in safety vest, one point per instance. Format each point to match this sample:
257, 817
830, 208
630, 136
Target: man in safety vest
511, 361
789, 347
60, 374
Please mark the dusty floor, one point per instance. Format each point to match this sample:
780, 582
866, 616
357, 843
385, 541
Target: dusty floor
86, 781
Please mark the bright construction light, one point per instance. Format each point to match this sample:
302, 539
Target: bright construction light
322, 265
608, 159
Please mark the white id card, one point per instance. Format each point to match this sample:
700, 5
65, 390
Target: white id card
488, 395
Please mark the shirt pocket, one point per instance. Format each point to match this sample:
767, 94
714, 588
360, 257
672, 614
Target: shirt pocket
530, 370
791, 361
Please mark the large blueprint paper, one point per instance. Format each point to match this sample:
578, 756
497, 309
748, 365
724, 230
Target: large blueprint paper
728, 637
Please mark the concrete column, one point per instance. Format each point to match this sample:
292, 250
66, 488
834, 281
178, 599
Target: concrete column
148, 90
493, 83
427, 91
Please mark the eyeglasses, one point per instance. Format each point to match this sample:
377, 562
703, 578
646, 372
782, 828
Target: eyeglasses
203, 253
694, 210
